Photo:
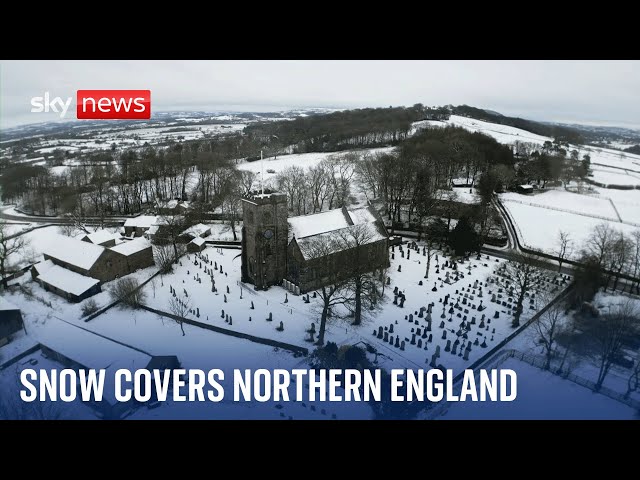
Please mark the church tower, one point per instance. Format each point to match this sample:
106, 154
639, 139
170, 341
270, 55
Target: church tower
264, 239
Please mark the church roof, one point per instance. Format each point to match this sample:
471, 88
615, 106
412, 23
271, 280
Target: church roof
331, 242
317, 223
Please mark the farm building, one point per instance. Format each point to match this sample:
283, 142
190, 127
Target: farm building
196, 245
308, 251
10, 320
137, 226
77, 348
194, 231
66, 283
524, 189
76, 269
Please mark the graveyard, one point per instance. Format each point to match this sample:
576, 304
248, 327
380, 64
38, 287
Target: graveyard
449, 318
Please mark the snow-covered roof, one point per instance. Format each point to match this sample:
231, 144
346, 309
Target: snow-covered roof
337, 240
43, 266
316, 223
199, 241
142, 221
67, 281
100, 236
92, 351
197, 230
75, 252
153, 229
132, 246
362, 215
7, 305
526, 187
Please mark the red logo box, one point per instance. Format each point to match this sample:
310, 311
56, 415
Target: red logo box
113, 104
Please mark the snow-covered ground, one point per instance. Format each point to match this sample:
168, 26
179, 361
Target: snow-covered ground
538, 228
566, 201
303, 160
297, 316
542, 396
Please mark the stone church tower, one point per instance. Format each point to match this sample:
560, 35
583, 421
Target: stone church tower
264, 239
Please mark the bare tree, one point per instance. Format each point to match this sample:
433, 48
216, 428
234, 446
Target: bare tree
619, 255
548, 326
128, 292
635, 261
321, 249
564, 247
9, 245
320, 184
180, 307
435, 233
169, 230
603, 336
363, 288
164, 257
521, 270
342, 172
599, 242
247, 178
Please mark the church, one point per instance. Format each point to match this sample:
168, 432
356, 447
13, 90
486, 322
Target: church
308, 251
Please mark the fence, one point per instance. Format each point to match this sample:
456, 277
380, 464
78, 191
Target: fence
564, 210
540, 362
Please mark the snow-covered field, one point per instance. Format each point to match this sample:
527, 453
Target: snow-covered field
567, 201
303, 160
538, 228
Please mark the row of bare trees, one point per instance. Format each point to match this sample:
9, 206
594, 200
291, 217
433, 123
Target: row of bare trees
324, 186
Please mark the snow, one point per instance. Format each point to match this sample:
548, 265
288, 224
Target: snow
613, 177
43, 266
67, 280
538, 227
566, 201
303, 160
361, 215
197, 230
297, 316
315, 223
466, 195
542, 396
10, 386
306, 244
100, 236
199, 241
142, 221
92, 351
132, 246
221, 231
6, 304
73, 251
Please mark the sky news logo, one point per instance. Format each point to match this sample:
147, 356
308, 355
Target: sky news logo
99, 104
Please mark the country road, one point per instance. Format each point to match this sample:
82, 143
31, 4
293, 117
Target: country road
56, 220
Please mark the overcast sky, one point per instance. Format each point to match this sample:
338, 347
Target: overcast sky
595, 92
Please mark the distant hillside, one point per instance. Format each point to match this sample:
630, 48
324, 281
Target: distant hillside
564, 134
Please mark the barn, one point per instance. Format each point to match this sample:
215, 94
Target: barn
10, 320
